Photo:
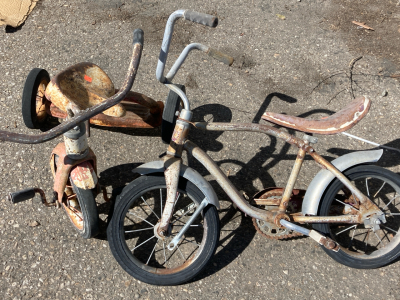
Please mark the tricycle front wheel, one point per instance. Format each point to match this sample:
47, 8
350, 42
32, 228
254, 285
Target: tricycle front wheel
81, 209
33, 98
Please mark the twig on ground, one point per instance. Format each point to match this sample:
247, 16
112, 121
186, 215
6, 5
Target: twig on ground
362, 25
350, 75
335, 96
325, 79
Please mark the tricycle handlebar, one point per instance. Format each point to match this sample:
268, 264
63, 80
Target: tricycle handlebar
88, 113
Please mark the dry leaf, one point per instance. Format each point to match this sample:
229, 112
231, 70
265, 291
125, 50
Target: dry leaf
282, 17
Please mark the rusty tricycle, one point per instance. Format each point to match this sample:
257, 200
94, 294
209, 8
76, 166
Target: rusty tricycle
80, 94
165, 225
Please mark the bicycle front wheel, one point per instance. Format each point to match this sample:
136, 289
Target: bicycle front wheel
135, 245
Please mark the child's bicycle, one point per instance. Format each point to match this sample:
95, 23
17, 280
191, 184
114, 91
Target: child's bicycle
165, 225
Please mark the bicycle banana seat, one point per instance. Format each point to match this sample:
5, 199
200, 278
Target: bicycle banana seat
336, 123
82, 86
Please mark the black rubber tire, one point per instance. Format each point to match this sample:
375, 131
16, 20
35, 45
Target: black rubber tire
135, 264
169, 114
350, 253
88, 209
32, 82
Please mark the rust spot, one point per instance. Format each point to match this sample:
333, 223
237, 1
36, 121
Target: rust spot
346, 219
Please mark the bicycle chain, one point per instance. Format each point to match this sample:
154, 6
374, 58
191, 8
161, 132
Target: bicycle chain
274, 236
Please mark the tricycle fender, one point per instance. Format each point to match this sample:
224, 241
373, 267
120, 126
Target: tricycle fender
185, 172
84, 176
323, 178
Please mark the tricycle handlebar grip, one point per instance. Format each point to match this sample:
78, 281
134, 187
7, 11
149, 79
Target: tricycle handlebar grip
138, 37
222, 57
201, 18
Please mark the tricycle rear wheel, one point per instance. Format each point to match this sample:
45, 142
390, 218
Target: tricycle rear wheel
33, 98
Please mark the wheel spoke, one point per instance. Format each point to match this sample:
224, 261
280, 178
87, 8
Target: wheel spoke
151, 253
380, 189
185, 239
143, 243
161, 200
150, 208
385, 235
366, 185
380, 241
366, 239
389, 229
347, 204
129, 231
180, 252
165, 257
129, 212
346, 229
389, 202
352, 237
189, 210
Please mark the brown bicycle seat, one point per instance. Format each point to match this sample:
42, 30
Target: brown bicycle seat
82, 86
338, 122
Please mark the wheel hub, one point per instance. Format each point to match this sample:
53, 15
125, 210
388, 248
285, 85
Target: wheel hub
162, 235
374, 221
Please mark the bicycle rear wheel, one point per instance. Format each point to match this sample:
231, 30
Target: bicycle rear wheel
360, 247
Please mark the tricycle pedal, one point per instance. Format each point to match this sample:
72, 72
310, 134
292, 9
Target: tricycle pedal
23, 195
27, 194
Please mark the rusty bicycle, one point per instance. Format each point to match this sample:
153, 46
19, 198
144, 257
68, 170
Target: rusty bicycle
165, 225
80, 94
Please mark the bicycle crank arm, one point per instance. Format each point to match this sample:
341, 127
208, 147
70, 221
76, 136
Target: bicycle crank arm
172, 245
27, 194
327, 242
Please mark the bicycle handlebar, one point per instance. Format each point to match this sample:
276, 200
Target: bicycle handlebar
201, 18
88, 113
193, 16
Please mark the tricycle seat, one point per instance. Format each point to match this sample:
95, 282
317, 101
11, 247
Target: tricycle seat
82, 86
85, 84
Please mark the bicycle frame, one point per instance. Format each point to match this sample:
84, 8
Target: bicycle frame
179, 143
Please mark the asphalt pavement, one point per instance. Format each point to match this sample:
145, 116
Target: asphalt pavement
291, 57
